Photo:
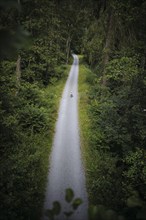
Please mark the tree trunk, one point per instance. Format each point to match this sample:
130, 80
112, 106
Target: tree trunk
18, 73
68, 49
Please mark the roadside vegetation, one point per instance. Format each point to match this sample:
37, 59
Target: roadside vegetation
32, 75
115, 180
115, 141
84, 121
24, 167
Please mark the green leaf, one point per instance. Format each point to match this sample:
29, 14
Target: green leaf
76, 203
56, 208
69, 195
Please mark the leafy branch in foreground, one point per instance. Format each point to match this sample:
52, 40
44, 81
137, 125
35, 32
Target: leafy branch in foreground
69, 198
135, 209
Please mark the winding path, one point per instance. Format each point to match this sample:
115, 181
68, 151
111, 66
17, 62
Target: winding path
66, 169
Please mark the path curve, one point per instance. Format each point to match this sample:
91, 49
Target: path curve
66, 168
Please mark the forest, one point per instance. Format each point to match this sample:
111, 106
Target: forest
37, 39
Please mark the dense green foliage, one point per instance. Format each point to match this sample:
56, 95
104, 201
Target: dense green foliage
114, 47
36, 38
33, 62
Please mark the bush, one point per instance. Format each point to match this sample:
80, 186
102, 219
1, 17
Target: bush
103, 175
33, 119
135, 173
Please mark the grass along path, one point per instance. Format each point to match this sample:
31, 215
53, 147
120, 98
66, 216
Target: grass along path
84, 120
83, 88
